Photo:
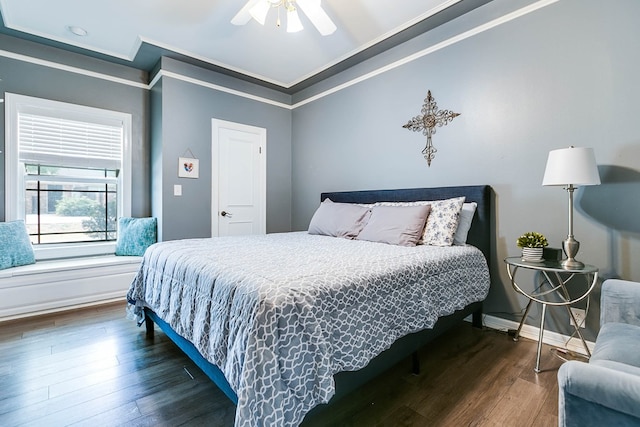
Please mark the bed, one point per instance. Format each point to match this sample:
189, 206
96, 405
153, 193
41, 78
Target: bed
284, 323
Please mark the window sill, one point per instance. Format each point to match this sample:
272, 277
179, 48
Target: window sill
71, 251
69, 264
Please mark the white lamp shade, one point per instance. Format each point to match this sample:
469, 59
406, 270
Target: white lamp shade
573, 165
293, 21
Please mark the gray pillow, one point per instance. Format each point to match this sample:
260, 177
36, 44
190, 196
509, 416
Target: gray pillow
395, 225
466, 217
339, 219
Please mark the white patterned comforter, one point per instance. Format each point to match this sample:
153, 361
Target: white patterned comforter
279, 314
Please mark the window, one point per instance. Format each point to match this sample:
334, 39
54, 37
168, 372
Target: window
67, 175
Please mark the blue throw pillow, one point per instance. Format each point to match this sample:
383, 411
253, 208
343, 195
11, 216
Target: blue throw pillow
135, 235
15, 246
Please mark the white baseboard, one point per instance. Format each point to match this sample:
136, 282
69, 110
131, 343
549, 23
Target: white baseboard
531, 332
60, 308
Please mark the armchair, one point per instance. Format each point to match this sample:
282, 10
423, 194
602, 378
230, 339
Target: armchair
606, 391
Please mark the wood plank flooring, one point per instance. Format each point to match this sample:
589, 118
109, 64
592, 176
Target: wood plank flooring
94, 367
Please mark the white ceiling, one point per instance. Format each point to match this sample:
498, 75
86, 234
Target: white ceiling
199, 29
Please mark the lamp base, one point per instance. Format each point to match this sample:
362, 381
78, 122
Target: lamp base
571, 246
571, 264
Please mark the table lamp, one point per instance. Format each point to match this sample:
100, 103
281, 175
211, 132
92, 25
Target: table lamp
571, 167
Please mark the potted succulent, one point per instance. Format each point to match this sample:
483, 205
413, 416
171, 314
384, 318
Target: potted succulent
532, 244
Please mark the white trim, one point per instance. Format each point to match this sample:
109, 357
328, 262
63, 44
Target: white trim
216, 63
438, 46
219, 88
78, 304
52, 251
135, 47
12, 183
67, 40
65, 265
417, 19
53, 178
434, 48
551, 338
71, 69
156, 79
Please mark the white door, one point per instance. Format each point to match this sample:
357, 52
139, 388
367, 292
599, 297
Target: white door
238, 179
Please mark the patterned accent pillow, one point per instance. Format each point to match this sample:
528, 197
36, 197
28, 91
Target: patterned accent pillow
442, 222
135, 235
15, 246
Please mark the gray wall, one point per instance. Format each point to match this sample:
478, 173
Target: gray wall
566, 74
187, 110
29, 79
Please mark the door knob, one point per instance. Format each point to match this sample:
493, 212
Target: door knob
225, 213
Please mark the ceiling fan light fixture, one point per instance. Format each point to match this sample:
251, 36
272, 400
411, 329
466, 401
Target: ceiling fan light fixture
293, 21
259, 11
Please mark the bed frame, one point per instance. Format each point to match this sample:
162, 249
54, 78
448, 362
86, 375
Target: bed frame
480, 235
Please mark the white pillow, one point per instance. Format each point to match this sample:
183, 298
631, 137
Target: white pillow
466, 216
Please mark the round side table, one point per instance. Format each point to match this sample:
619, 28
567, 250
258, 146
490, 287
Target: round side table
555, 294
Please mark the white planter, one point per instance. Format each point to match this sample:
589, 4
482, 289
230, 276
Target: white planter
532, 254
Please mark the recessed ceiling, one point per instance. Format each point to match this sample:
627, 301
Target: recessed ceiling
138, 32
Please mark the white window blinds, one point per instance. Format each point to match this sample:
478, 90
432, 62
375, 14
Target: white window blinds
56, 141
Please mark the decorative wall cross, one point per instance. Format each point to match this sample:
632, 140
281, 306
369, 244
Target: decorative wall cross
427, 122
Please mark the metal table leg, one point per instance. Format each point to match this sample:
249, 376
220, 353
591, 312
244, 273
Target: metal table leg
544, 310
516, 337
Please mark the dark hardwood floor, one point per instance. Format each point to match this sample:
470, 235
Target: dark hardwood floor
94, 367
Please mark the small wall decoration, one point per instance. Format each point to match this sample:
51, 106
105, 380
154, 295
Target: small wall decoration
427, 122
188, 167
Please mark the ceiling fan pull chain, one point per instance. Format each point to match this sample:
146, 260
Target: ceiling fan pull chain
278, 21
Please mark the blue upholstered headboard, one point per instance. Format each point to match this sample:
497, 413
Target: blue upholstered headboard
480, 234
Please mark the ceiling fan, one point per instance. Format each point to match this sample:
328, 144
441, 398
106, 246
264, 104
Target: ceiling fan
258, 10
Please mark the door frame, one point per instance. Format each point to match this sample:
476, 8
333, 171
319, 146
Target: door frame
216, 125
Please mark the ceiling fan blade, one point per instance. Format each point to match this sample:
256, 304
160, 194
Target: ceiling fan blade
317, 16
244, 16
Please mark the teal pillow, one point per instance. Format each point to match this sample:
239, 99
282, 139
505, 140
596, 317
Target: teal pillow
15, 246
135, 235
